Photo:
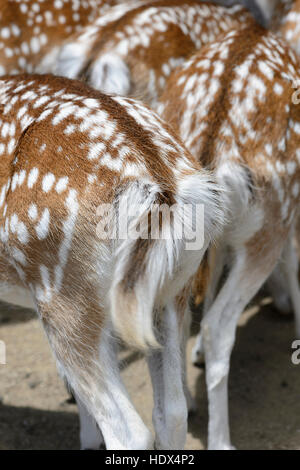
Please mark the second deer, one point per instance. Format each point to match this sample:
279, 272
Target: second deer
232, 104
81, 175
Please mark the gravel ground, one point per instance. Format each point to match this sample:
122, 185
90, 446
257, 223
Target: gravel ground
35, 412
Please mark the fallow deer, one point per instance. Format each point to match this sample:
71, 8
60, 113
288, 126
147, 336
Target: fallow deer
290, 26
232, 104
284, 18
76, 167
135, 54
32, 31
280, 9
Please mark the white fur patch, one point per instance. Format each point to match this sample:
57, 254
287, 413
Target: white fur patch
71, 59
110, 74
170, 263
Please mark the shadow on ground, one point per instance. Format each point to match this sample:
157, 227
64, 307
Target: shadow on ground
15, 314
38, 429
264, 387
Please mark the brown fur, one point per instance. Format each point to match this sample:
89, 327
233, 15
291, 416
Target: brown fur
56, 24
270, 122
65, 155
172, 42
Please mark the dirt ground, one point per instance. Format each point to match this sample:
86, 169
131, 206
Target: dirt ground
35, 412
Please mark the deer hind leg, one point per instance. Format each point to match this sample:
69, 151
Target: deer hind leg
247, 274
83, 345
165, 366
283, 284
290, 265
191, 402
91, 437
217, 257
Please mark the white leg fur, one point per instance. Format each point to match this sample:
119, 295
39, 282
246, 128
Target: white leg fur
170, 406
216, 266
100, 389
191, 403
120, 424
90, 436
218, 329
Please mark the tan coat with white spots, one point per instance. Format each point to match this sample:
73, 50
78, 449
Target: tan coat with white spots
233, 105
66, 150
287, 22
135, 54
279, 8
32, 30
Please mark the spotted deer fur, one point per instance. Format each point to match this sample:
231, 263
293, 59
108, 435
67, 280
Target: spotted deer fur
31, 31
279, 9
66, 149
232, 104
285, 15
289, 24
135, 54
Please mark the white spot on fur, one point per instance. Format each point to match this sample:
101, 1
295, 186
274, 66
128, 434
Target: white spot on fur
48, 182
62, 184
32, 212
22, 233
32, 177
19, 256
42, 228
